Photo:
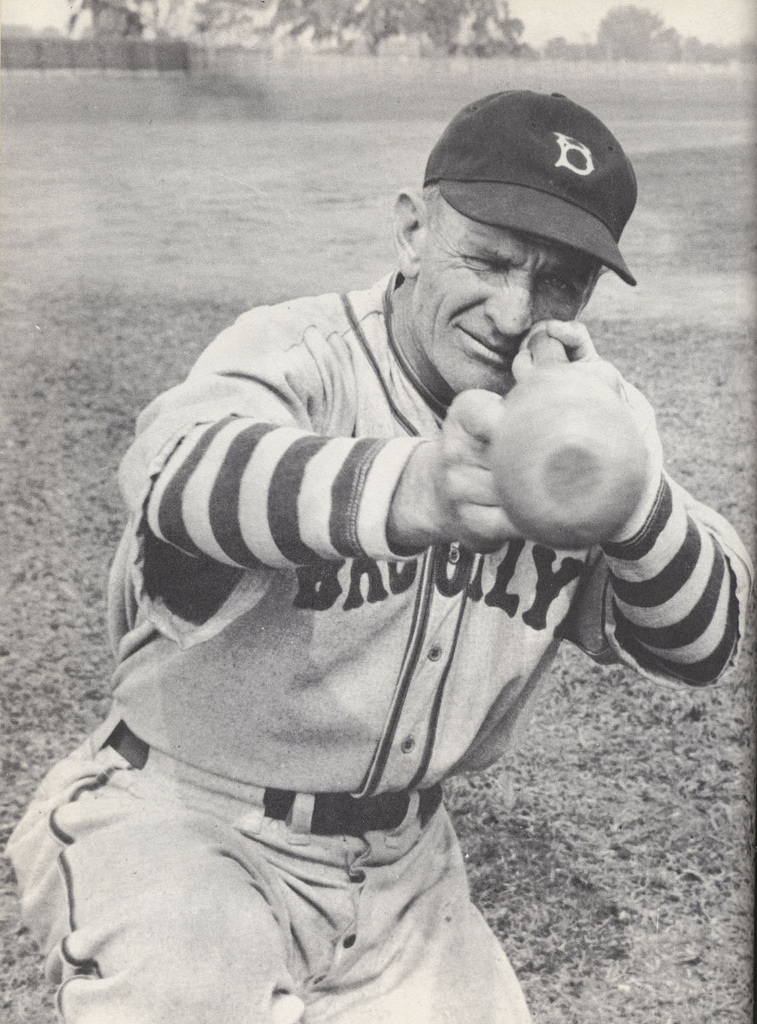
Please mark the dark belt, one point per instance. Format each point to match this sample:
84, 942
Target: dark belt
333, 813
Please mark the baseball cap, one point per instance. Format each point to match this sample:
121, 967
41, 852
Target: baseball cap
542, 164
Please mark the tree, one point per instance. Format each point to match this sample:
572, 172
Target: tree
667, 46
494, 32
558, 48
381, 19
324, 20
478, 27
219, 17
629, 33
130, 17
695, 52
110, 17
162, 17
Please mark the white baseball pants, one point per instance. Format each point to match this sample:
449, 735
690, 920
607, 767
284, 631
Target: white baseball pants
164, 896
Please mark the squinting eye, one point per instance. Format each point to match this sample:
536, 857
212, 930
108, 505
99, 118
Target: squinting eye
563, 284
477, 263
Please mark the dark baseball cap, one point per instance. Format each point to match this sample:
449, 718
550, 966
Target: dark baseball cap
541, 164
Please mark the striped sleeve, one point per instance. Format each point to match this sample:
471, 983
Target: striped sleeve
677, 591
246, 493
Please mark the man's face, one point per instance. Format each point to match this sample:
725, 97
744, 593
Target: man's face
477, 292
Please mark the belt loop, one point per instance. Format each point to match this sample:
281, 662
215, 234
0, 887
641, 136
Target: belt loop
392, 839
128, 746
251, 822
300, 818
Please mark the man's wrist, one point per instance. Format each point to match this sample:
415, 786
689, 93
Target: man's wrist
412, 524
638, 521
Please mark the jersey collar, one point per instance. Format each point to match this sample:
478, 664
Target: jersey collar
437, 394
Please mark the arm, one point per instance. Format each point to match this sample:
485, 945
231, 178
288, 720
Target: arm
447, 490
250, 462
253, 476
245, 492
669, 595
678, 590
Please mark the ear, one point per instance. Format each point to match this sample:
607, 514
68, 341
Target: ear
411, 217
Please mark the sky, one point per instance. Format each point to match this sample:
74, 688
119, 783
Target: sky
713, 21
716, 21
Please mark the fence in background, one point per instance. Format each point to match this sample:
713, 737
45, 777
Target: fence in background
78, 81
126, 54
90, 54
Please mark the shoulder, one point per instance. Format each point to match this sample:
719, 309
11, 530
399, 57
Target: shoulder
317, 324
272, 330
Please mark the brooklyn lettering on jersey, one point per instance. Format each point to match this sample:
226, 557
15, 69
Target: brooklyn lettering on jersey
231, 498
320, 586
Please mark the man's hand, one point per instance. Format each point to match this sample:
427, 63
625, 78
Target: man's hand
557, 341
562, 341
446, 492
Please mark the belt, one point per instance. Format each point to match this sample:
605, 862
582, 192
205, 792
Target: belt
333, 813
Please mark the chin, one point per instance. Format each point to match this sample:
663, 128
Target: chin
480, 375
500, 381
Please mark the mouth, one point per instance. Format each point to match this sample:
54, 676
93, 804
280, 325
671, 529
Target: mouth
501, 354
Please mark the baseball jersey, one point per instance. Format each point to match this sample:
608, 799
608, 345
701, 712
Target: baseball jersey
264, 628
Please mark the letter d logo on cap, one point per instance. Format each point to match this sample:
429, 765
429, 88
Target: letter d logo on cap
568, 145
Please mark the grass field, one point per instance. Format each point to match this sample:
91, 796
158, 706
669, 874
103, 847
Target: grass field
613, 854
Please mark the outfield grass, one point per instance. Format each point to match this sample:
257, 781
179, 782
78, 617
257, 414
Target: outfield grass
612, 854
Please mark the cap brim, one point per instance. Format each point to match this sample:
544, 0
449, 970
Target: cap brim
526, 209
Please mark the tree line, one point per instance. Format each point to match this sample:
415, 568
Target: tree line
478, 28
636, 34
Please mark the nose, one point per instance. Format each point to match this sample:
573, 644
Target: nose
510, 307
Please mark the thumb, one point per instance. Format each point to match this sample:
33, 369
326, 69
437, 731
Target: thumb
539, 348
476, 413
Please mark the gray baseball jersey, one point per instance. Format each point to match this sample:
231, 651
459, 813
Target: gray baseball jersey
263, 626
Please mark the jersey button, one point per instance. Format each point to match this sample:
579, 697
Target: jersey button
408, 745
435, 652
357, 875
348, 941
454, 553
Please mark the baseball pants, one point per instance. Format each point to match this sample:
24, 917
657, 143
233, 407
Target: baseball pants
166, 896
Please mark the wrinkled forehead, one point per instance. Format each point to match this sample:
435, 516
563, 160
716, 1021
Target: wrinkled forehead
538, 163
507, 244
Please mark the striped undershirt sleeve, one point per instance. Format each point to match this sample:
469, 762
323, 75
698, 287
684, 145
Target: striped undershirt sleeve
674, 594
245, 493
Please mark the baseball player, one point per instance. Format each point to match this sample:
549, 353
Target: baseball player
320, 610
